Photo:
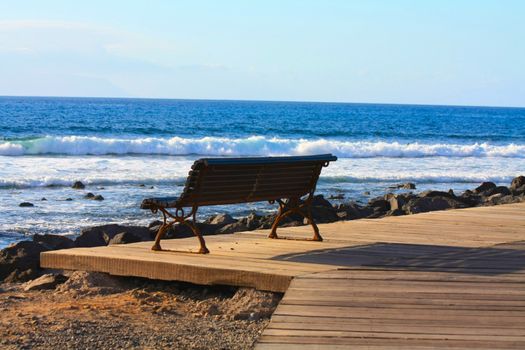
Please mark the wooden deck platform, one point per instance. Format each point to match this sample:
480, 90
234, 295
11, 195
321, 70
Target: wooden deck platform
452, 279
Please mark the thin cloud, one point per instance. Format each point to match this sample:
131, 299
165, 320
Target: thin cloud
42, 36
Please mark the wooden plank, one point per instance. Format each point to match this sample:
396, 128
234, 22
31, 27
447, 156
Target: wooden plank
389, 343
419, 328
409, 323
169, 271
348, 312
390, 335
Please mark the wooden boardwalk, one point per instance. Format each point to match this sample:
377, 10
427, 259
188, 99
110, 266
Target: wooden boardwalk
453, 279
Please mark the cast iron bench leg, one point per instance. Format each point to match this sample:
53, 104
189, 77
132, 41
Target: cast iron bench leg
179, 218
291, 207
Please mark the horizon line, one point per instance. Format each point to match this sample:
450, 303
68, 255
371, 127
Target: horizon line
264, 100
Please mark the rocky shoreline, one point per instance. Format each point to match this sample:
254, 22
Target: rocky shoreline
217, 317
20, 261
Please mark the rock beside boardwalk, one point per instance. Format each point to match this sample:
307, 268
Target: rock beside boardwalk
397, 201
124, 238
484, 187
352, 211
20, 261
90, 237
517, 182
92, 283
220, 220
519, 191
46, 281
426, 204
54, 242
101, 235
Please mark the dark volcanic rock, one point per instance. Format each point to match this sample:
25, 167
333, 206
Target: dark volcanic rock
322, 211
124, 238
78, 185
238, 226
90, 237
98, 197
517, 182
154, 223
519, 191
484, 187
405, 186
470, 198
397, 201
500, 198
504, 191
352, 211
431, 194
54, 242
253, 221
320, 201
377, 213
323, 214
220, 220
101, 235
22, 275
425, 204
47, 281
89, 195
379, 204
339, 196
395, 212
21, 260
26, 205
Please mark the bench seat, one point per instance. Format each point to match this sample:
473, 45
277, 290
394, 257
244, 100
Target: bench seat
287, 181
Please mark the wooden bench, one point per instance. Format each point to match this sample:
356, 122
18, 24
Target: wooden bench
216, 181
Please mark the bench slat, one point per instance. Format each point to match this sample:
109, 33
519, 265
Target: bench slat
239, 182
246, 192
269, 160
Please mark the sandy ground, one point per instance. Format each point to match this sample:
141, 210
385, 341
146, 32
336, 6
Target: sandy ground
95, 311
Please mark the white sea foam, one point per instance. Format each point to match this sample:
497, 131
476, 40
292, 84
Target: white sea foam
45, 171
252, 146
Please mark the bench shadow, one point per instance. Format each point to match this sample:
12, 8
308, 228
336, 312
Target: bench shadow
494, 260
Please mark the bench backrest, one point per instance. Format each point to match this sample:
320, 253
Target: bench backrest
214, 181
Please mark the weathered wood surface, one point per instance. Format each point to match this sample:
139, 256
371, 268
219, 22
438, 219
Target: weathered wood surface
462, 286
452, 279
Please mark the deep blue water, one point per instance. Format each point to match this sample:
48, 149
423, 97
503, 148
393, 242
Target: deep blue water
24, 117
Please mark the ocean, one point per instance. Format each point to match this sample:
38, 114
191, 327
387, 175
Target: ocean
129, 149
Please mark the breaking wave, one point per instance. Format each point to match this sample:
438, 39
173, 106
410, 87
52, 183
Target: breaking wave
251, 146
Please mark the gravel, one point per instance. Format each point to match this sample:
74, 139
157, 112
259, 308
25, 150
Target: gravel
97, 311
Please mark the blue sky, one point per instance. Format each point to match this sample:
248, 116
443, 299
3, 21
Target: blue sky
429, 52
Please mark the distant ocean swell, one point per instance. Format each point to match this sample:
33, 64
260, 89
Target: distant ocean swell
251, 146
